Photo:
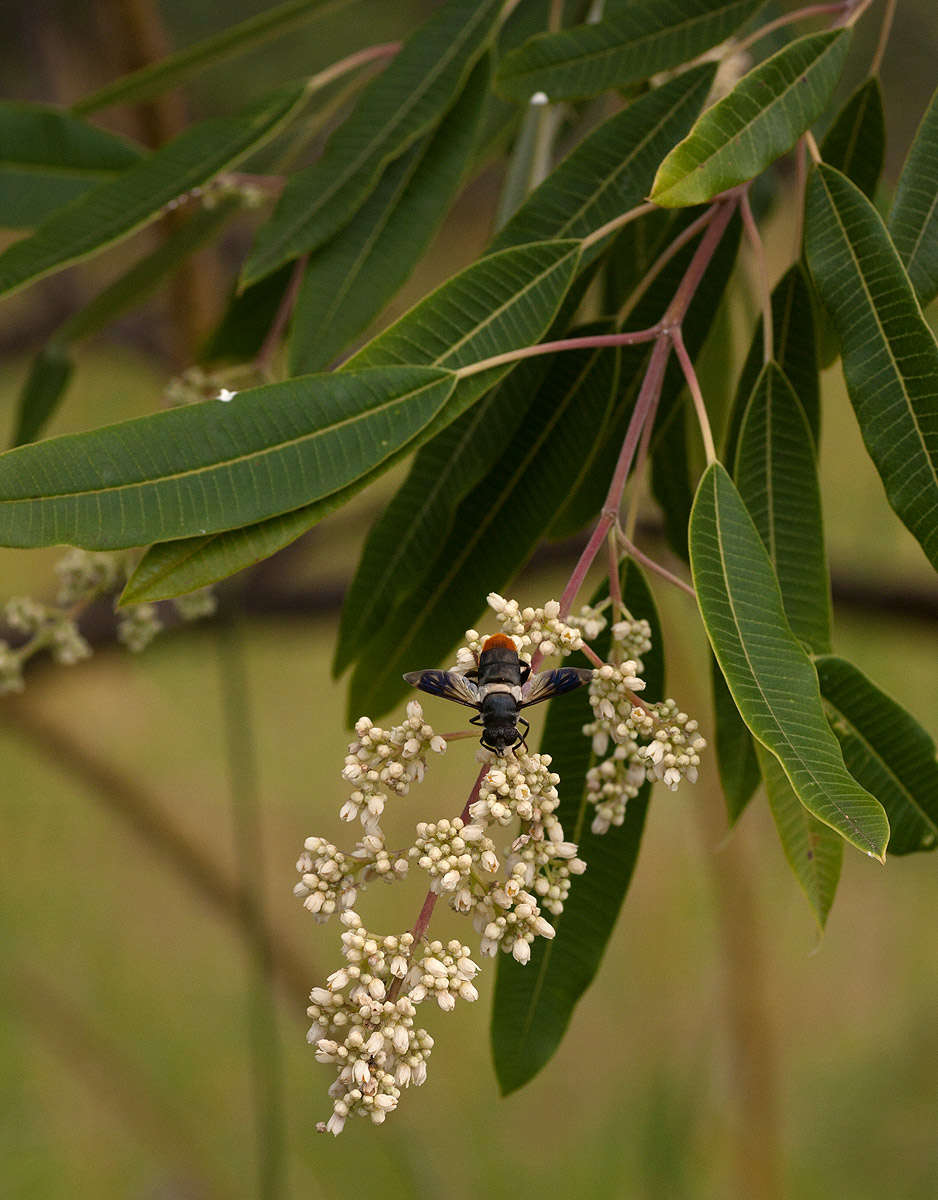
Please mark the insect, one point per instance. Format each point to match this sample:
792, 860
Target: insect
497, 689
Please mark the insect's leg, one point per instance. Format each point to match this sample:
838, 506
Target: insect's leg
522, 736
476, 720
473, 674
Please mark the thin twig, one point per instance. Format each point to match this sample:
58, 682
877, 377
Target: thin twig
693, 385
762, 275
801, 14
597, 341
884, 31
812, 147
264, 357
618, 223
662, 261
640, 557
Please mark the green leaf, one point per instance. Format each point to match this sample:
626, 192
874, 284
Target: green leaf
761, 119
776, 474
769, 674
611, 170
794, 346
814, 851
735, 751
48, 378
499, 303
168, 73
534, 1003
495, 529
856, 142
647, 37
48, 158
213, 466
886, 750
115, 209
890, 358
247, 319
405, 101
348, 282
913, 220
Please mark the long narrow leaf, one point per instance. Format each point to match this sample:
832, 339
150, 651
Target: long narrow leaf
776, 474
647, 37
399, 106
213, 466
887, 750
856, 142
737, 764
890, 357
348, 282
913, 221
761, 119
768, 672
814, 851
534, 1003
119, 207
48, 158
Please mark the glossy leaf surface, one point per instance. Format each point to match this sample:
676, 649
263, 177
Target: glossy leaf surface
890, 358
913, 221
761, 118
405, 101
768, 672
647, 37
534, 1003
119, 207
887, 750
213, 466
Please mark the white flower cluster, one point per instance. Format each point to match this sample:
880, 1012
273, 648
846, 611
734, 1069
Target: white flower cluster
331, 880
530, 628
363, 1020
453, 853
381, 762
654, 742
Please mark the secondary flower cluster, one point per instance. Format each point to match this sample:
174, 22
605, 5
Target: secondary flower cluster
82, 577
531, 628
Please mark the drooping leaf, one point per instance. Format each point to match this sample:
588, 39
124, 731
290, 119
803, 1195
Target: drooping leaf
500, 303
794, 347
776, 474
404, 102
647, 37
761, 118
169, 72
887, 750
890, 358
247, 319
49, 157
213, 466
117, 208
856, 142
913, 220
495, 529
48, 379
348, 282
611, 170
534, 1003
814, 851
768, 672
735, 751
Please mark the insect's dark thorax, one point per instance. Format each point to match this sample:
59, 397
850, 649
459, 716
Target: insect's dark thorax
499, 665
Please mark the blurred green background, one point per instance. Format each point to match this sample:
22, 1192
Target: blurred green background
722, 1051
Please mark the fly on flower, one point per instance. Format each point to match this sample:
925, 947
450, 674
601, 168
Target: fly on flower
499, 688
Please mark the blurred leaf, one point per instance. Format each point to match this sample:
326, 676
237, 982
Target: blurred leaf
913, 221
168, 73
43, 390
647, 37
348, 282
769, 674
499, 303
247, 319
814, 851
495, 529
48, 158
115, 209
735, 750
794, 345
856, 142
761, 118
886, 750
671, 477
213, 466
405, 101
776, 474
890, 358
534, 1003
611, 170
47, 381
633, 251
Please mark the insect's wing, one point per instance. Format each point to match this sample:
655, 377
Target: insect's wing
447, 684
554, 683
